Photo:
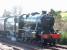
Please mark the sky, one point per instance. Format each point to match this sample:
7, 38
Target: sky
29, 6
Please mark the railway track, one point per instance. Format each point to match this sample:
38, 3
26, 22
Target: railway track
22, 46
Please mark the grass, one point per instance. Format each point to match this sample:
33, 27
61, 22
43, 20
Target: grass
64, 38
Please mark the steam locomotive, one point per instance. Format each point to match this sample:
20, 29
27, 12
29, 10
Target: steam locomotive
31, 27
37, 27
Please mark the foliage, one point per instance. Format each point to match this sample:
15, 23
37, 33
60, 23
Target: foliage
6, 13
64, 38
57, 17
16, 11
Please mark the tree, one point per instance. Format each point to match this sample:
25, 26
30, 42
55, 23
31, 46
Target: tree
58, 22
6, 13
17, 11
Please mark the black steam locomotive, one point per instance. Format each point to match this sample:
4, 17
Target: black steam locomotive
37, 27
32, 27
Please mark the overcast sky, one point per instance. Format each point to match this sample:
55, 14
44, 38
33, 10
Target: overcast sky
33, 5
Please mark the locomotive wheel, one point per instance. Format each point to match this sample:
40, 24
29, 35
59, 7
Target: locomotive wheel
53, 43
44, 43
